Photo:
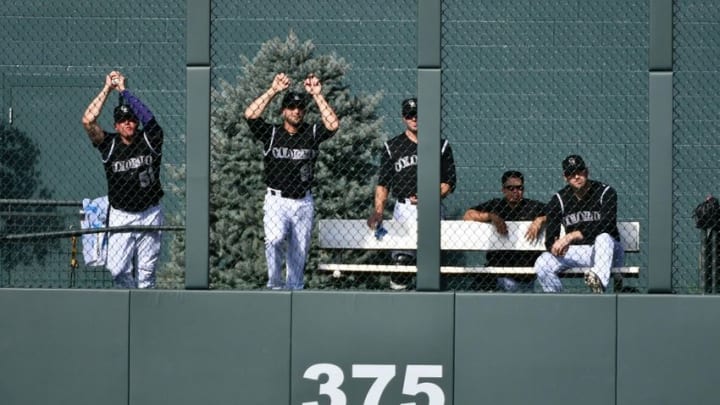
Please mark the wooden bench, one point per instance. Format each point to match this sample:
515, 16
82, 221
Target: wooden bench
455, 236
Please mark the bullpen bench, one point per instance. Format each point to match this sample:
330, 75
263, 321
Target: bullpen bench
455, 236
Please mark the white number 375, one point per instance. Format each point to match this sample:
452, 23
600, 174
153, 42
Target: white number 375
382, 374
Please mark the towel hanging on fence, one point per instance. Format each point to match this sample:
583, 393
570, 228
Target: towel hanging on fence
94, 245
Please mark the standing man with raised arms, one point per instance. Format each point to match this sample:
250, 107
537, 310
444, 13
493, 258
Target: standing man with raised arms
132, 159
290, 151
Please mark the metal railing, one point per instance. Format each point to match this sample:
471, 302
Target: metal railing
33, 259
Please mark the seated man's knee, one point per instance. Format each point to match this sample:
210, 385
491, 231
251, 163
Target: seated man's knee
606, 244
544, 263
604, 238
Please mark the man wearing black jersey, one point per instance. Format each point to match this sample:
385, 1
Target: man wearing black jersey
398, 173
290, 151
587, 209
132, 158
513, 207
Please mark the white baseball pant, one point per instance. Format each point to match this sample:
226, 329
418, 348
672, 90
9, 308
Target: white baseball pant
404, 211
131, 249
604, 254
288, 229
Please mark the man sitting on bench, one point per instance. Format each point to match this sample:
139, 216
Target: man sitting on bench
588, 211
513, 207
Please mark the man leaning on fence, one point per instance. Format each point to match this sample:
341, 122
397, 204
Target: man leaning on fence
512, 207
588, 211
132, 160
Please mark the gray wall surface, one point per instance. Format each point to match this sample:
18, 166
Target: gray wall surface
191, 347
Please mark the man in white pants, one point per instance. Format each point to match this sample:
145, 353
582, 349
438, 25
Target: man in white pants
132, 159
588, 211
290, 150
398, 173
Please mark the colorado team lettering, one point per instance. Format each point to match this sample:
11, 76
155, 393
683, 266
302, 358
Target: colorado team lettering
404, 162
132, 163
581, 216
294, 154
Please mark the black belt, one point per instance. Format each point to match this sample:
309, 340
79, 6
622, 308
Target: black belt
406, 201
285, 194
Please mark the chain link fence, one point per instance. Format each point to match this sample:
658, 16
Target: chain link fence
45, 244
53, 64
267, 187
32, 258
524, 84
695, 145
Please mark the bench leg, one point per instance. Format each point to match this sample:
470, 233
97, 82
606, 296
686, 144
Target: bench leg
617, 283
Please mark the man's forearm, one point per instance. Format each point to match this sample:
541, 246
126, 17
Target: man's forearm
89, 120
475, 215
329, 118
92, 112
381, 195
256, 108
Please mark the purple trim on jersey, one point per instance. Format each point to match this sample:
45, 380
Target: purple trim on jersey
141, 111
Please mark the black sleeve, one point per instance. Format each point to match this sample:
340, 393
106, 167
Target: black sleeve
259, 128
553, 211
154, 134
487, 206
608, 215
322, 133
447, 174
538, 209
386, 167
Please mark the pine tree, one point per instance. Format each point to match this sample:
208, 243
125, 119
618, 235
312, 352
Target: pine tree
20, 180
344, 173
171, 274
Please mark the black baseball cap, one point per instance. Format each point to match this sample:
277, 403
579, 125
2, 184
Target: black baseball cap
573, 164
409, 107
123, 112
293, 99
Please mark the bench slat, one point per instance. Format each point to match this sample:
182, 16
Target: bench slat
392, 268
455, 235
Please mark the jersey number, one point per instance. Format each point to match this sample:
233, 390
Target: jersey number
147, 177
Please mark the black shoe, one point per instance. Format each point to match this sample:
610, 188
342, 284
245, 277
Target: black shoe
403, 259
397, 286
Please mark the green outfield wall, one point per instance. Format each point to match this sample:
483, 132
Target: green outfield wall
195, 347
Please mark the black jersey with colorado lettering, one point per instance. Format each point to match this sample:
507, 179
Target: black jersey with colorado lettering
398, 166
592, 215
289, 158
133, 171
